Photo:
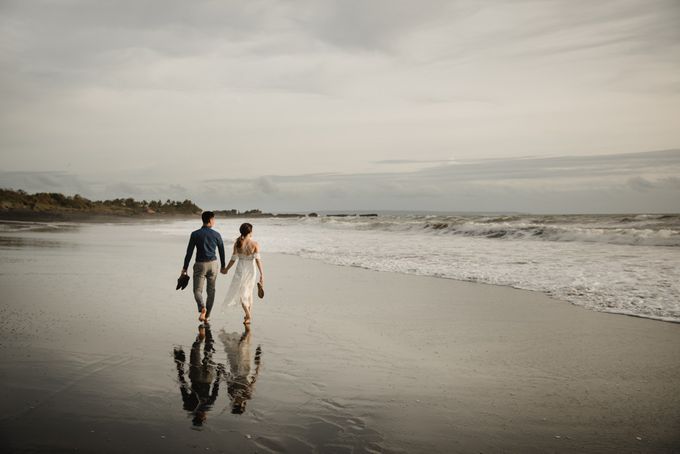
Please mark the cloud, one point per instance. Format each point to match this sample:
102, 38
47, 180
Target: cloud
488, 185
355, 25
381, 93
413, 161
645, 185
266, 185
640, 184
634, 182
44, 182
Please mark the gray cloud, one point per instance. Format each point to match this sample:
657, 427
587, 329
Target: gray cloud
370, 26
44, 182
604, 166
585, 184
635, 182
253, 103
266, 185
413, 161
640, 184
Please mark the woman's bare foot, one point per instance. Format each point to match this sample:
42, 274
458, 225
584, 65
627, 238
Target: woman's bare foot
201, 318
246, 319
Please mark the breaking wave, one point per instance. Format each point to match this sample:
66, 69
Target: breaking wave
644, 230
620, 264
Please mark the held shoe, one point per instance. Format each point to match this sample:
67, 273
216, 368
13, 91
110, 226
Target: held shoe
182, 282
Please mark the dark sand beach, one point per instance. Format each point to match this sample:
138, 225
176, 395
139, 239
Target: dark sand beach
96, 349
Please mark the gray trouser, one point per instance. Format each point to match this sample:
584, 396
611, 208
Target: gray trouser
205, 271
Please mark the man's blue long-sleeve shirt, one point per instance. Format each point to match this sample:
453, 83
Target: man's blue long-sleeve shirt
205, 240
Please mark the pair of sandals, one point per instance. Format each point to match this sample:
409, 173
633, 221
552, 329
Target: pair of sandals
182, 282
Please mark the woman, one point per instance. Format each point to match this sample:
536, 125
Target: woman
247, 252
240, 379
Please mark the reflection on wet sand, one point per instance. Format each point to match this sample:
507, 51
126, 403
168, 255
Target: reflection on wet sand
17, 242
199, 395
240, 381
205, 376
13, 234
7, 226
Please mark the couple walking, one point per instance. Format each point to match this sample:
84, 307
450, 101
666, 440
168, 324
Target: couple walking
245, 251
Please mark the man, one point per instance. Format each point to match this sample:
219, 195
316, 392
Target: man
205, 240
205, 376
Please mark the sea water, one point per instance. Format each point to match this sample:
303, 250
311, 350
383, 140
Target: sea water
610, 263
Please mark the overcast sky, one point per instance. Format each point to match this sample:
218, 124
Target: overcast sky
311, 105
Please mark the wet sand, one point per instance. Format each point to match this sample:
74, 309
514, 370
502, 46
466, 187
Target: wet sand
101, 354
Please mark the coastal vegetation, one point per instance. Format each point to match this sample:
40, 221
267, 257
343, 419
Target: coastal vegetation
18, 201
20, 205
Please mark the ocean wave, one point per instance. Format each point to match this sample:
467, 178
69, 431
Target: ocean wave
643, 230
568, 258
633, 230
610, 235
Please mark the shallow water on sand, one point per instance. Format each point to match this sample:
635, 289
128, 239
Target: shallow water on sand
101, 353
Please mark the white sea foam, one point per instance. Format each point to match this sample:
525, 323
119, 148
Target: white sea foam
622, 264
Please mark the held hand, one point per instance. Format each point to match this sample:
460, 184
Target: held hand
224, 270
262, 280
184, 271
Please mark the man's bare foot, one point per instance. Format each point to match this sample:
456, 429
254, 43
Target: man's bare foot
201, 318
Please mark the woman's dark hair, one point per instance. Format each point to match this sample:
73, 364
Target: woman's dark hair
245, 229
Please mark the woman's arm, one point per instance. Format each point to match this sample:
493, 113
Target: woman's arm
258, 262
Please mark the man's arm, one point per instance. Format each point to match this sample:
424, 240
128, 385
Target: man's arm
220, 248
231, 262
190, 251
216, 385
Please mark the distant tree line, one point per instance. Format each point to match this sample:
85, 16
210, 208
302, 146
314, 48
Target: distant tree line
18, 204
248, 213
14, 200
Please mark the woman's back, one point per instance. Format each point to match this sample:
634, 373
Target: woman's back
247, 252
247, 249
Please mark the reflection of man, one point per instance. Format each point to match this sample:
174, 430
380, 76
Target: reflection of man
203, 372
240, 383
205, 240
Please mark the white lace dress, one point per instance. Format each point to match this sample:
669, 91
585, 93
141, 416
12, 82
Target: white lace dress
243, 282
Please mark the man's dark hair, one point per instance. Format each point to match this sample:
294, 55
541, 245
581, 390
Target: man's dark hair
207, 216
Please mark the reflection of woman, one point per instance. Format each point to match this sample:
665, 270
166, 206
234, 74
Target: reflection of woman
199, 398
247, 252
240, 382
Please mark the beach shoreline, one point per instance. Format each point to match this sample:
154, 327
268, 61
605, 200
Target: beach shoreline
352, 359
507, 286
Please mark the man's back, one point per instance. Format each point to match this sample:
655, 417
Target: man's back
205, 240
